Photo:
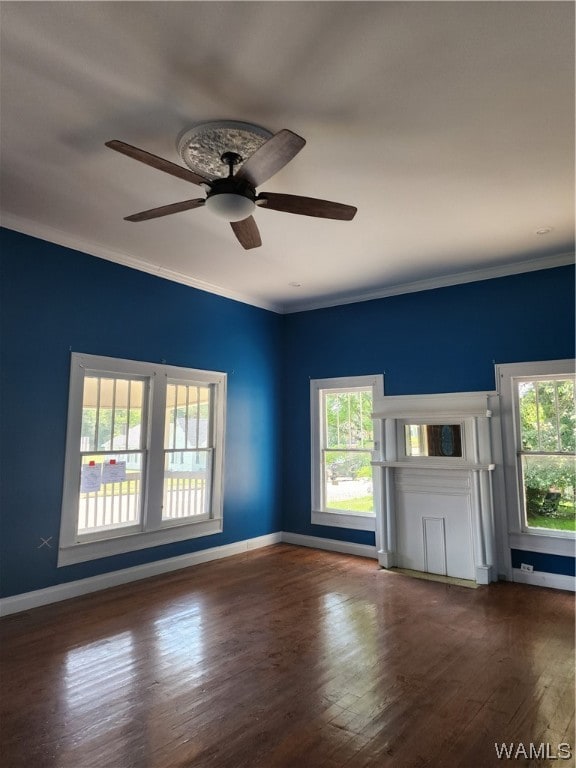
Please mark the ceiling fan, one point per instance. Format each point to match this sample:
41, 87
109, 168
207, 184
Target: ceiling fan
234, 197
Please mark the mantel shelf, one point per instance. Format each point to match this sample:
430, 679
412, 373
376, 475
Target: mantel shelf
455, 405
434, 417
447, 464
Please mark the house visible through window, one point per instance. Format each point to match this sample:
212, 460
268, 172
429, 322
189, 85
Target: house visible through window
112, 452
144, 456
343, 440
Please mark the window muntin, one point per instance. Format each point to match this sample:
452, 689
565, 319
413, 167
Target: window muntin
131, 480
546, 438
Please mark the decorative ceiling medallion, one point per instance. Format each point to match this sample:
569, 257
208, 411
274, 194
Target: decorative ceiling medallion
202, 146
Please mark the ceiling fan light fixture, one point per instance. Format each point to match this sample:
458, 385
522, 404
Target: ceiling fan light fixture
230, 206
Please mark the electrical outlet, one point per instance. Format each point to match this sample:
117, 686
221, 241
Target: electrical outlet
526, 567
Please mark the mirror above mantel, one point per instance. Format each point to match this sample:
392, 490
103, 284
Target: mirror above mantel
433, 440
430, 430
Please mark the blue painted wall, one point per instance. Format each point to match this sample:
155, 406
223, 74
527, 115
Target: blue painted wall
55, 300
443, 340
565, 566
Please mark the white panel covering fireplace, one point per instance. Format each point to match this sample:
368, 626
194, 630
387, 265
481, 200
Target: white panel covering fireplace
437, 512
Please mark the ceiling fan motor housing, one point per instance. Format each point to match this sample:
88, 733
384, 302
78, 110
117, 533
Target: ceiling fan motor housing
231, 199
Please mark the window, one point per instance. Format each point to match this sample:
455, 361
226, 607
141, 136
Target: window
344, 443
144, 456
187, 451
545, 418
539, 424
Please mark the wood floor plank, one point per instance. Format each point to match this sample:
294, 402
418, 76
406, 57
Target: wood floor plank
287, 657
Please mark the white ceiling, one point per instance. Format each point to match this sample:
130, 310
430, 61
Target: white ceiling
449, 125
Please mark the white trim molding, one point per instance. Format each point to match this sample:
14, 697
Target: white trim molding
321, 513
447, 405
57, 236
331, 545
542, 542
356, 521
100, 251
28, 600
544, 579
428, 284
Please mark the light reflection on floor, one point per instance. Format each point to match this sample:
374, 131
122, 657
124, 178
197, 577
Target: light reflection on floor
104, 661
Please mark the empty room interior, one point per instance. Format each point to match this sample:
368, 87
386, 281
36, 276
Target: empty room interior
287, 488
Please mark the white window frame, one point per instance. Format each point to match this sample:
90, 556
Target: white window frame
151, 531
363, 521
520, 536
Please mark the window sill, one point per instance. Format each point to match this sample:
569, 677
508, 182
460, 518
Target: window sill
94, 550
354, 521
561, 543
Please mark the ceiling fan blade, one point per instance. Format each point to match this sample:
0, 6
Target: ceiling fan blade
306, 206
156, 162
166, 210
247, 233
271, 157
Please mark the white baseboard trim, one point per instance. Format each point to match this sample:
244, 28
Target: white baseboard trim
542, 579
333, 545
29, 600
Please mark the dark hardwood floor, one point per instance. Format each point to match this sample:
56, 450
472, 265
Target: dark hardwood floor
288, 657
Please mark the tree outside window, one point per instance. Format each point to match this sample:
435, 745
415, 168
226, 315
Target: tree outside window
347, 450
547, 423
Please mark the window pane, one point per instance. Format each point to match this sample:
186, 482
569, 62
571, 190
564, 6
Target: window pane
112, 413
109, 500
547, 417
348, 419
186, 484
528, 415
549, 484
348, 481
187, 422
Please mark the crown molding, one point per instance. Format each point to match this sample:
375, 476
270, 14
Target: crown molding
57, 236
53, 235
472, 276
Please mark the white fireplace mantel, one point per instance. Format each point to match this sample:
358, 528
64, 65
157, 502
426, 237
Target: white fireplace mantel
437, 512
